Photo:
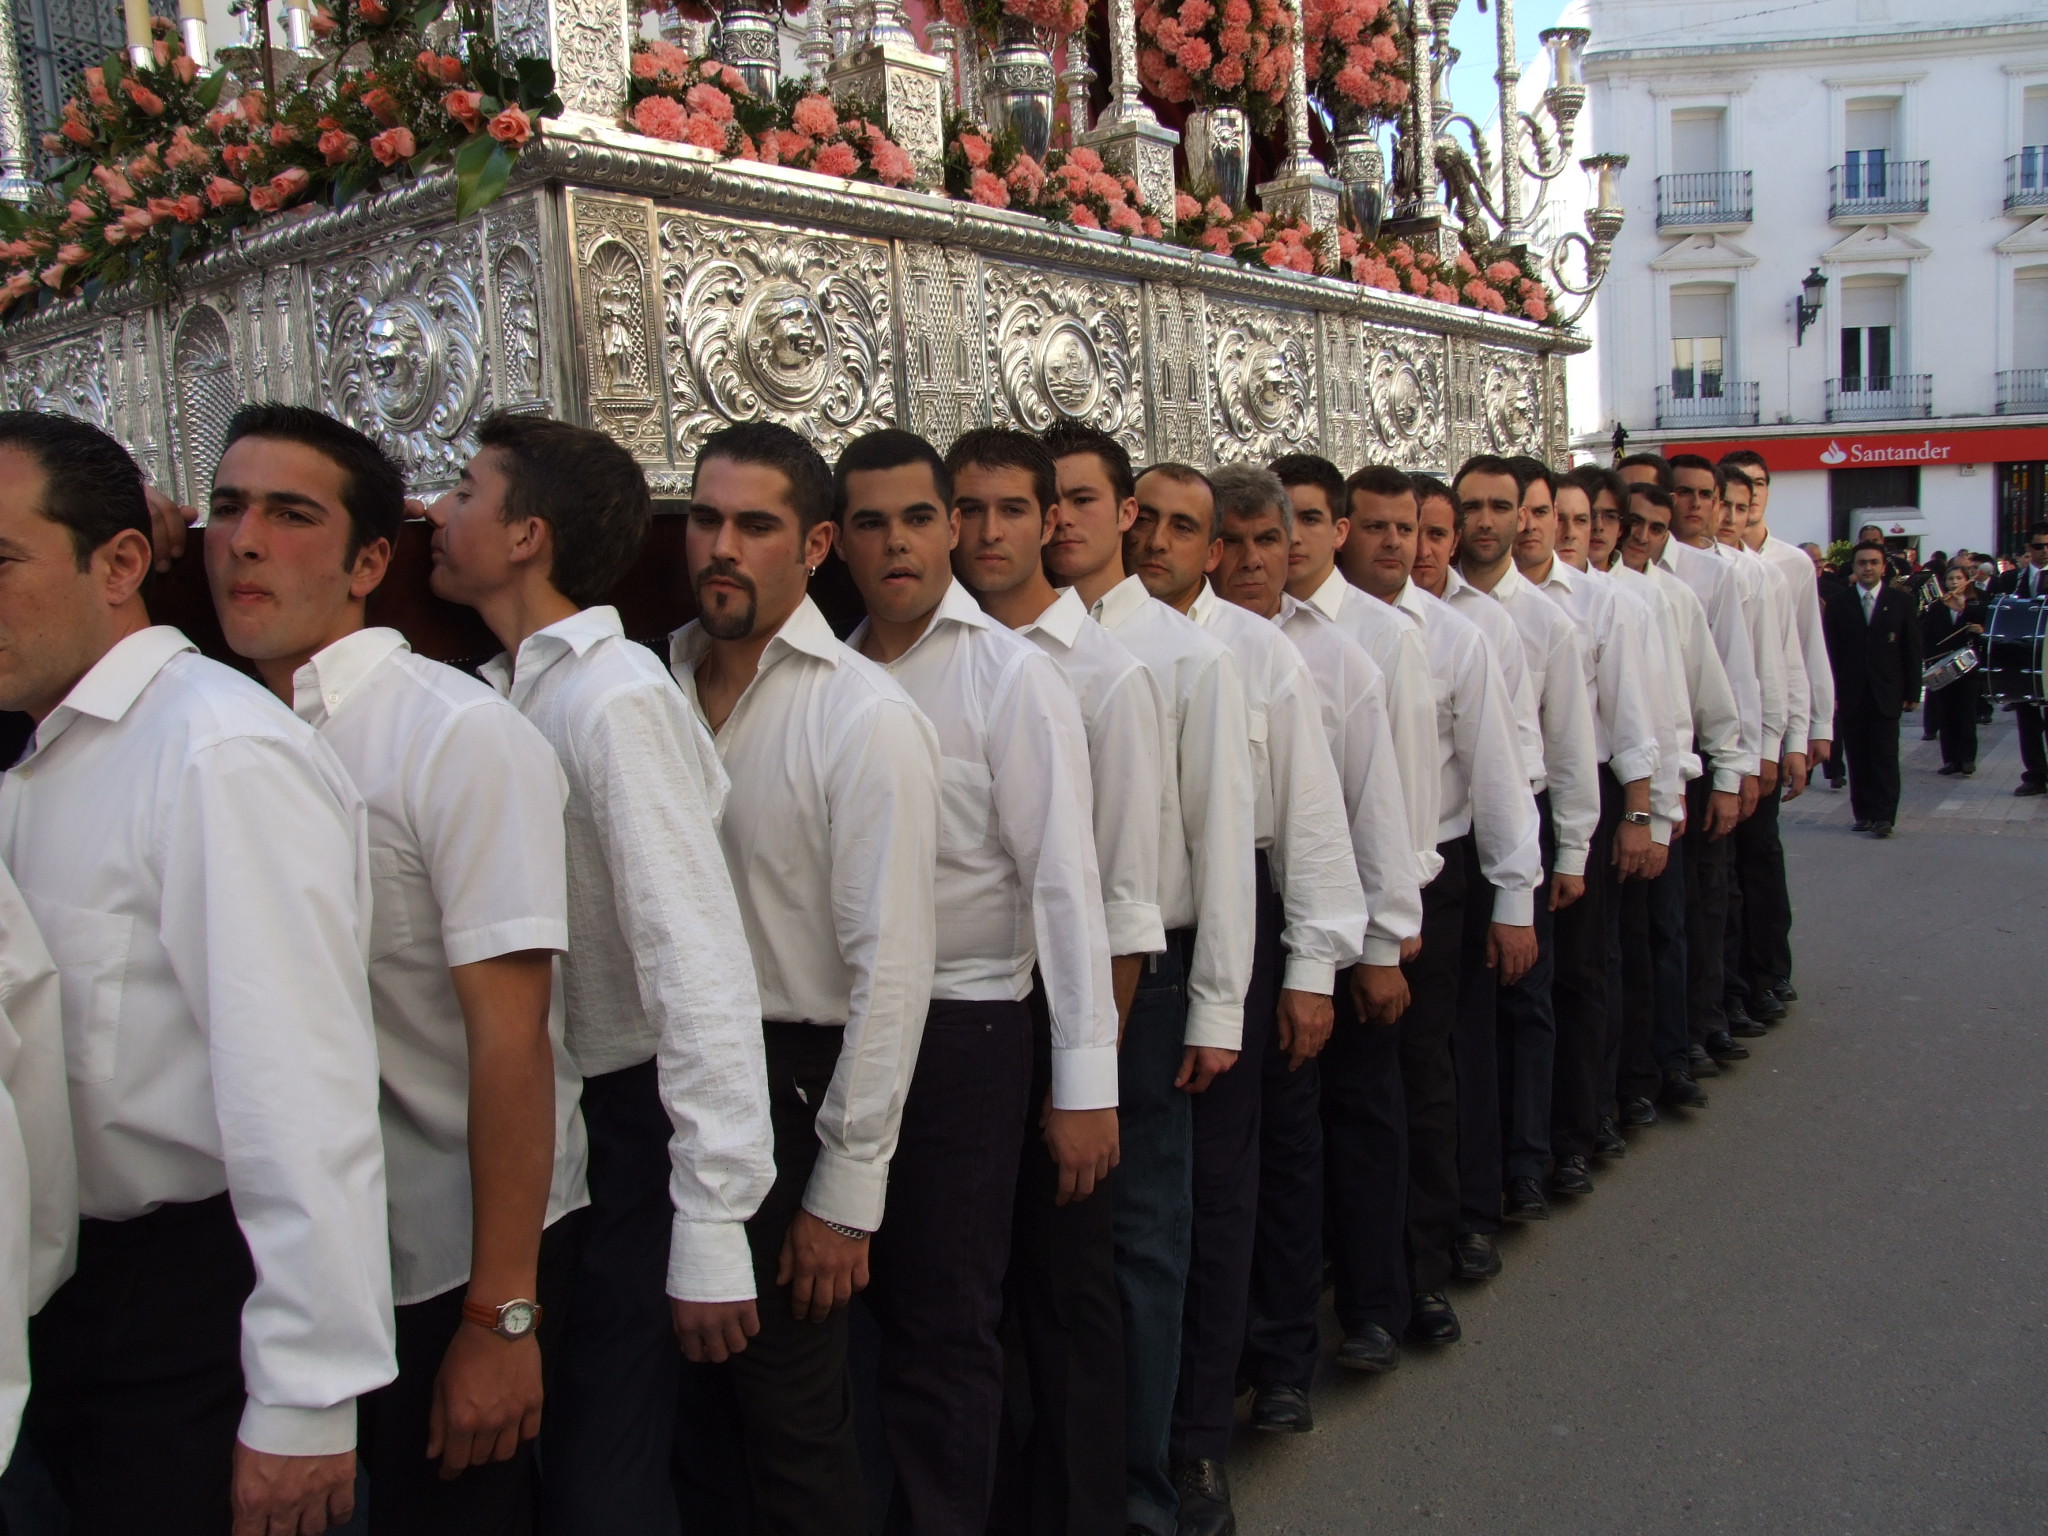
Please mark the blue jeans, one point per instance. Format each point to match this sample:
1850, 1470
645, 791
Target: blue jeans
1154, 1216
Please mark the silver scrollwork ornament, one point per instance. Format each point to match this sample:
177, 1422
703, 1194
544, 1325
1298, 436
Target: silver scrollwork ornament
1217, 141
1019, 87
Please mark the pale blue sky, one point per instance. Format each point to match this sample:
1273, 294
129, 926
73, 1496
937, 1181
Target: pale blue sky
1472, 34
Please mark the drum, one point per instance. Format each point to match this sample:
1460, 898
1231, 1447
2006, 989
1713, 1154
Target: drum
2015, 645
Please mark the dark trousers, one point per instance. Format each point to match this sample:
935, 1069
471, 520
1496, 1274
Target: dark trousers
1759, 942
137, 1371
1476, 1063
1581, 1084
1835, 767
1633, 1004
1955, 717
937, 1287
1365, 1168
1524, 1028
1665, 908
1154, 1198
608, 1435
766, 1442
1872, 742
407, 1494
1429, 1076
1706, 912
2029, 720
1226, 1209
1060, 1467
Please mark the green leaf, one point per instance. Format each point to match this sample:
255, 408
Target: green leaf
536, 82
472, 193
427, 12
114, 69
473, 152
92, 289
425, 160
75, 177
207, 92
351, 181
180, 238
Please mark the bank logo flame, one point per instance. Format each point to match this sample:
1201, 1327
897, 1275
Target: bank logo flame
1834, 454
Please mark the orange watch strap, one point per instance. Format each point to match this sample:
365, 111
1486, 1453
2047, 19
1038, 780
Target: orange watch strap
483, 1316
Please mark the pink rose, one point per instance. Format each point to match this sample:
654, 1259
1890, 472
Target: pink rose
512, 127
223, 193
323, 24
189, 209
987, 189
660, 118
96, 87
184, 153
72, 255
381, 105
282, 136
143, 96
183, 67
393, 145
263, 200
114, 184
114, 234
16, 288
79, 211
289, 183
836, 160
162, 207
815, 116
466, 107
336, 146
53, 276
373, 12
251, 105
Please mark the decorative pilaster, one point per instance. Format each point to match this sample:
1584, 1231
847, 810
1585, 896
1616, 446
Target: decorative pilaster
889, 72
1130, 138
1424, 218
1513, 232
1075, 79
589, 43
1303, 188
17, 163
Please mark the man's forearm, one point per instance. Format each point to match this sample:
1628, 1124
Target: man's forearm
1124, 971
511, 1118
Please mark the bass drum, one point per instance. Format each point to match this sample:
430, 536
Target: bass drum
2015, 646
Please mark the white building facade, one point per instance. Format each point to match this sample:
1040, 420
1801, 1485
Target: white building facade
1900, 153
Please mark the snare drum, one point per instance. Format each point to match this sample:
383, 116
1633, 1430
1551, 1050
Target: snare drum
2015, 646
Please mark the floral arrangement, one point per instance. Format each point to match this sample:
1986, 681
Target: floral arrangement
1073, 186
705, 102
1217, 53
161, 170
1287, 244
1353, 53
1500, 283
1056, 18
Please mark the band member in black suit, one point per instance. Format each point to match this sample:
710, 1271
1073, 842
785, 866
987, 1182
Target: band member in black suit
1955, 624
2029, 580
1874, 644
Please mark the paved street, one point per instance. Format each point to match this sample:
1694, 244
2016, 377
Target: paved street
1815, 1306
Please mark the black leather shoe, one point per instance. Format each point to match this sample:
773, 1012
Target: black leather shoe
1569, 1177
1282, 1411
1637, 1113
1738, 1016
1524, 1201
2031, 789
1473, 1256
1682, 1092
1372, 1350
1747, 1029
1764, 1006
1947, 769
1700, 1063
1787, 993
1433, 1321
1862, 823
1723, 1046
1608, 1140
1204, 1489
1880, 829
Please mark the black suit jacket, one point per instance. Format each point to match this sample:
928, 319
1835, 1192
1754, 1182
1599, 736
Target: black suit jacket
2015, 581
1876, 665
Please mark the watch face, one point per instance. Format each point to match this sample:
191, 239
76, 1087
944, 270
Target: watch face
516, 1320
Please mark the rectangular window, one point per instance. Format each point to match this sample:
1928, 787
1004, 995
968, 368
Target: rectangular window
1696, 141
1869, 130
1699, 332
2030, 318
1870, 317
2033, 174
1853, 491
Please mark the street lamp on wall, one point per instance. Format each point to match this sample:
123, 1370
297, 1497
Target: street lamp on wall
1811, 292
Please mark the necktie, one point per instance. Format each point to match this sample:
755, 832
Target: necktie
1869, 603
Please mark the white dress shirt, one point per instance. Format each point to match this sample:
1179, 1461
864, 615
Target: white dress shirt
1712, 580
1624, 732
1715, 724
465, 802
1759, 614
38, 1167
831, 834
1482, 786
1670, 704
1782, 631
1394, 641
1298, 818
1795, 572
1352, 693
1555, 665
1505, 641
1206, 879
1121, 708
1017, 879
198, 863
658, 965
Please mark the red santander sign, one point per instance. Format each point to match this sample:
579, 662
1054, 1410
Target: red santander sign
1849, 449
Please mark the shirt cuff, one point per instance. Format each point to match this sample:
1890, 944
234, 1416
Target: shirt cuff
279, 1431
1660, 830
1220, 1026
1318, 977
1569, 861
1084, 1077
469, 945
1773, 741
1627, 767
847, 1192
1134, 928
1515, 909
1380, 951
709, 1261
1795, 741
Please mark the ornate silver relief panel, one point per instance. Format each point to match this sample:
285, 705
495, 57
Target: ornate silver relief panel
1263, 398
1065, 347
209, 382
769, 324
611, 240
135, 382
1176, 369
398, 347
67, 379
945, 374
1383, 396
512, 242
1509, 396
1557, 447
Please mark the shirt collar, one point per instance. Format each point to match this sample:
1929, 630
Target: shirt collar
540, 650
1413, 601
320, 687
804, 632
111, 686
1561, 575
956, 606
1512, 583
1330, 595
1206, 602
1121, 601
1063, 620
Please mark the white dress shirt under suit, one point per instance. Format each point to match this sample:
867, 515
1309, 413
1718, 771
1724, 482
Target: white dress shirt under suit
1617, 667
1713, 582
1714, 726
198, 863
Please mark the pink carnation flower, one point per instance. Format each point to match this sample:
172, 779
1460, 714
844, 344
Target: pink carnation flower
893, 166
1126, 220
815, 116
1185, 207
1503, 271
987, 189
836, 160
711, 101
1081, 217
1535, 309
704, 132
660, 118
976, 149
1195, 56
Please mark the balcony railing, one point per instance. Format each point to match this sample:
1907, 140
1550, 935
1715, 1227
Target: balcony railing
1886, 397
1733, 405
1703, 197
1876, 189
2022, 389
2026, 178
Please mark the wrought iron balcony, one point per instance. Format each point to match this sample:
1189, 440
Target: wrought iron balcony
1884, 189
2022, 390
1880, 397
1733, 404
1704, 198
2026, 180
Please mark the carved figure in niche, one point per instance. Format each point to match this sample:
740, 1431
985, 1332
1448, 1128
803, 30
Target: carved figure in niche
617, 308
1071, 375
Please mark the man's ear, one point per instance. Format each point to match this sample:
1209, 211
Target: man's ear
120, 565
819, 543
1127, 514
1215, 556
372, 563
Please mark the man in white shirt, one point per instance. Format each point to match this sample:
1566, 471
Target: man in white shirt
222, 1062
1017, 889
662, 1023
1066, 1474
1483, 793
831, 835
1187, 1021
482, 1143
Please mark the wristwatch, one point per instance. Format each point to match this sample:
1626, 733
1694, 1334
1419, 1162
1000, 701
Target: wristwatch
514, 1320
1636, 818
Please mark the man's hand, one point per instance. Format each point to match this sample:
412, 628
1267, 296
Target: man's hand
1631, 849
713, 1331
1084, 1147
1379, 993
292, 1495
1655, 860
1767, 778
1795, 775
1565, 889
821, 1268
1724, 810
167, 524
486, 1399
1752, 786
1304, 1022
1200, 1065
1510, 951
1818, 751
1410, 948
